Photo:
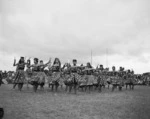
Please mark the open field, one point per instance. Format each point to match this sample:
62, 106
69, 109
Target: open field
47, 105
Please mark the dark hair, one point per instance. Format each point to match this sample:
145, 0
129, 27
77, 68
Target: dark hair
74, 60
21, 61
89, 64
36, 59
28, 63
58, 61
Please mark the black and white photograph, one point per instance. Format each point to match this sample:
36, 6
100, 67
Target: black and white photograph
74, 59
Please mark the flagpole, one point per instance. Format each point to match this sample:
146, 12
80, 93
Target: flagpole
106, 57
91, 57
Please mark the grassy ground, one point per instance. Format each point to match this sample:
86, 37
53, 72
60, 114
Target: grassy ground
47, 105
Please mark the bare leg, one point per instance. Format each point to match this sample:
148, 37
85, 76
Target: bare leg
75, 89
14, 85
133, 87
35, 87
21, 86
52, 87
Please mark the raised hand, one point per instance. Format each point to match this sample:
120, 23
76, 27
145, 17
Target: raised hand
14, 61
49, 60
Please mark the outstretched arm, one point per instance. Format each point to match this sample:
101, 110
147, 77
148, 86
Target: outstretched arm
30, 66
97, 66
15, 63
45, 65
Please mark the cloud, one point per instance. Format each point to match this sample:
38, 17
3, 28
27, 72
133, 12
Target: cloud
71, 29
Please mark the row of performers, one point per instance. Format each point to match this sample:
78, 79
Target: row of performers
35, 73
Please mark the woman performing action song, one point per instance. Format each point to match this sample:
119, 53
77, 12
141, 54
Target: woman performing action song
89, 76
20, 74
38, 76
28, 72
42, 73
56, 74
75, 77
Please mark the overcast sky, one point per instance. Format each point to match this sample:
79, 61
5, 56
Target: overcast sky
69, 29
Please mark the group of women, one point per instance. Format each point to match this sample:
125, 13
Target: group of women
72, 76
35, 74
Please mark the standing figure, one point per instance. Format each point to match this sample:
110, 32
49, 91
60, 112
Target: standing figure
66, 75
35, 77
28, 72
130, 81
20, 74
56, 74
36, 74
75, 77
42, 66
89, 76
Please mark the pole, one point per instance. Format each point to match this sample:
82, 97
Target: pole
106, 57
91, 57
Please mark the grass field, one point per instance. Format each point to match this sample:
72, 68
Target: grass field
48, 105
